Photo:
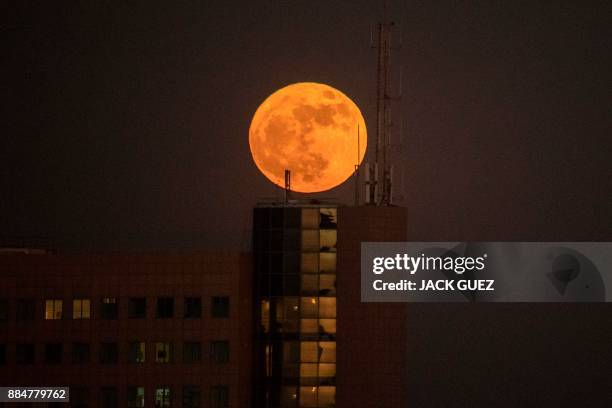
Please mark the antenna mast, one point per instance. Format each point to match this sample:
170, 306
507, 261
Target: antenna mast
378, 192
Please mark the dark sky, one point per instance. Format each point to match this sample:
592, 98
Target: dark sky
125, 126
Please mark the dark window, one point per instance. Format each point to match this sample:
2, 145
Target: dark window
137, 352
163, 352
219, 351
24, 354
4, 309
193, 307
109, 353
220, 306
191, 396
79, 397
192, 351
108, 397
135, 397
165, 307
80, 353
137, 308
219, 396
2, 354
26, 309
109, 308
53, 353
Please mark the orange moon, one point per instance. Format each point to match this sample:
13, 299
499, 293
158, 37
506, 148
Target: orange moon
311, 130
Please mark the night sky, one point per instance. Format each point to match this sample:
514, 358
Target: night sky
126, 127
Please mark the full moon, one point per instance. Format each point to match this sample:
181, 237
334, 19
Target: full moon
312, 130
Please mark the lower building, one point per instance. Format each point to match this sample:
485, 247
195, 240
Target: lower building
129, 330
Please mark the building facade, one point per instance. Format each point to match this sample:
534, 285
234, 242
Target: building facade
129, 330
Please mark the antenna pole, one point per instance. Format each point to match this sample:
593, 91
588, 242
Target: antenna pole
287, 185
357, 170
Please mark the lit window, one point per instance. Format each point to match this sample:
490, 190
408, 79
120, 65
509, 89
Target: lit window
135, 397
327, 262
163, 352
327, 307
265, 315
137, 352
327, 285
53, 309
309, 307
329, 219
81, 309
328, 240
219, 351
310, 240
109, 309
162, 397
310, 218
309, 262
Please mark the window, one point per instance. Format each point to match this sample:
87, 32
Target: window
108, 397
220, 306
26, 309
165, 307
219, 351
137, 308
53, 353
79, 397
162, 397
191, 396
81, 308
137, 352
80, 353
2, 354
163, 352
193, 307
109, 308
192, 352
135, 397
219, 396
53, 309
24, 354
4, 309
109, 353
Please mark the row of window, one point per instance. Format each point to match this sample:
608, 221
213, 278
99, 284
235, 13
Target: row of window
163, 397
108, 353
25, 309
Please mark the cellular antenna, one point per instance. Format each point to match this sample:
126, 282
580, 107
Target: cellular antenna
378, 191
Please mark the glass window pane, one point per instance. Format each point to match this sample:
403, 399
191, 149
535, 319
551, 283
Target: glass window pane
328, 240
327, 370
308, 370
328, 218
328, 326
327, 285
309, 307
291, 352
309, 326
310, 284
327, 262
327, 396
310, 218
310, 263
309, 351
327, 307
310, 240
308, 396
327, 351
